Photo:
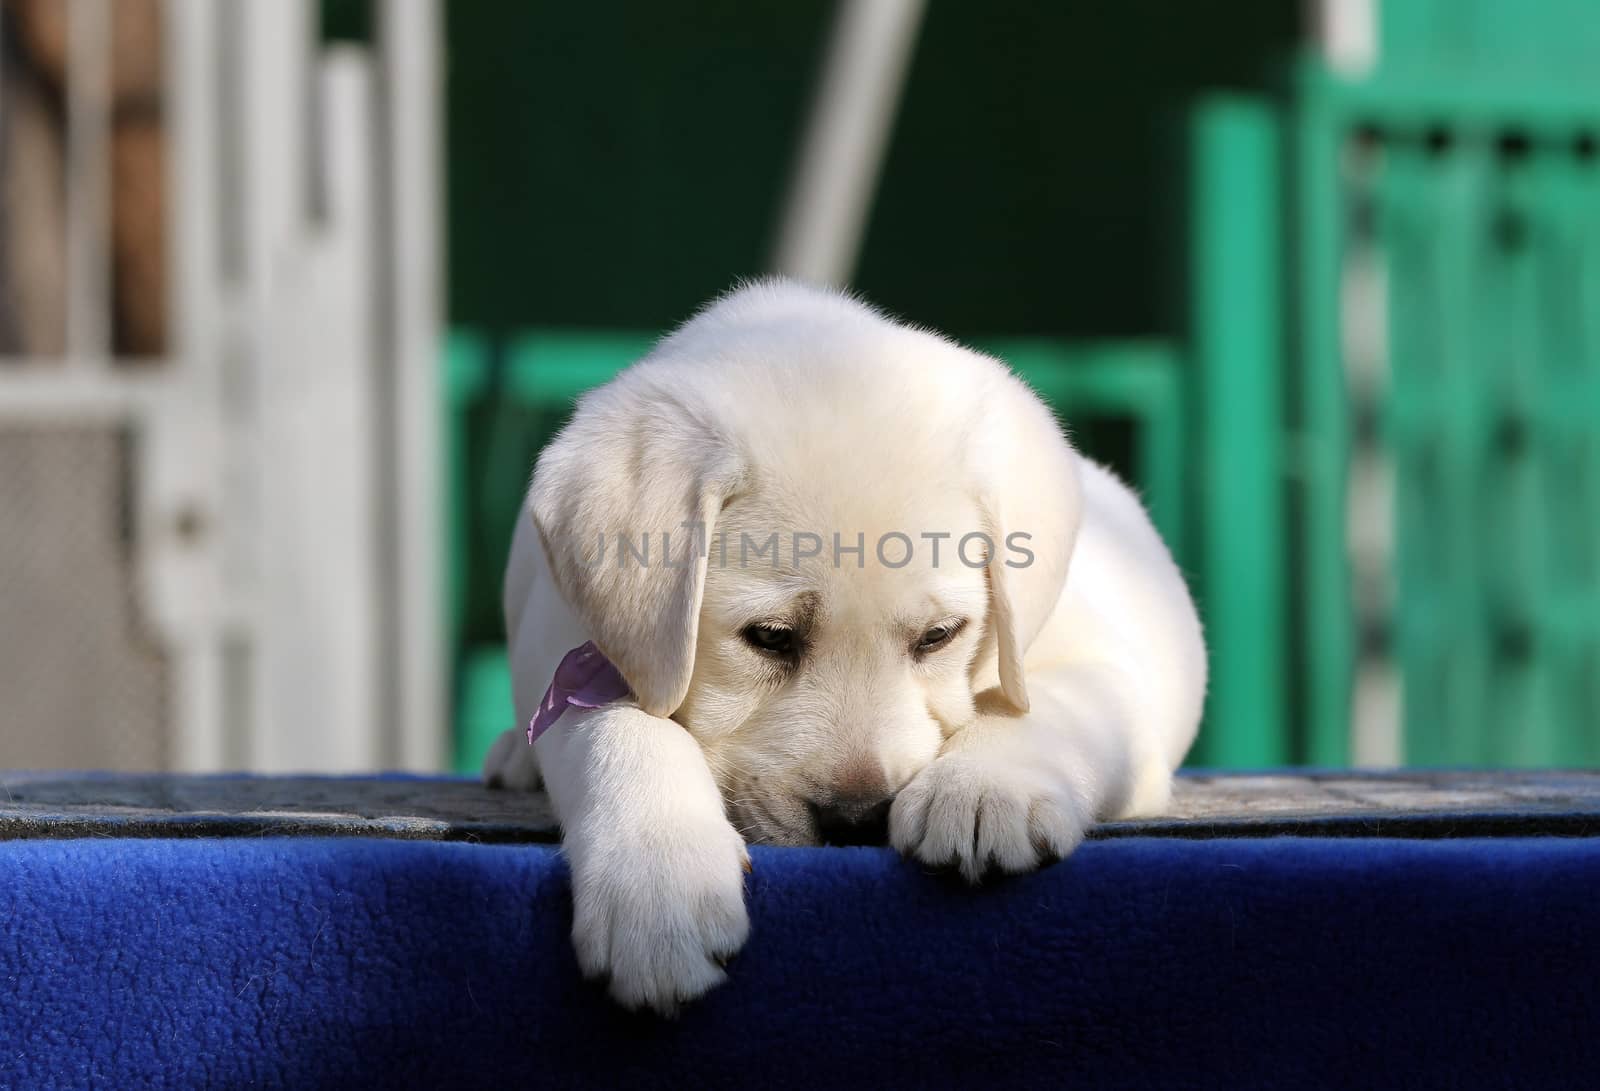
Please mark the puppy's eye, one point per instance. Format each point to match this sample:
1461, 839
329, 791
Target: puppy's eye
938, 636
772, 639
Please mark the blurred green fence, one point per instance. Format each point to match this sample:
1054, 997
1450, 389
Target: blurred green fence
1375, 446
1428, 310
1454, 196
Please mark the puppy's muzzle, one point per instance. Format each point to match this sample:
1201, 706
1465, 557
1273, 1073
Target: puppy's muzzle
851, 820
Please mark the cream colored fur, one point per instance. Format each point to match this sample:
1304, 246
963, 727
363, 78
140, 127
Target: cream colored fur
1070, 695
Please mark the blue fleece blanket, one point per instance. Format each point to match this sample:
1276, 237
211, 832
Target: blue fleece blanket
1141, 961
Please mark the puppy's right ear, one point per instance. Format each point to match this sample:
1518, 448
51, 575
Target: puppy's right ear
635, 466
1029, 492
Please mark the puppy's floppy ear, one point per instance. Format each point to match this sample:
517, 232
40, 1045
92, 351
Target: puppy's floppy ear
1031, 497
635, 465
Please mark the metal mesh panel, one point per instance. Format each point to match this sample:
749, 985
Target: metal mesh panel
1467, 193
84, 685
1492, 420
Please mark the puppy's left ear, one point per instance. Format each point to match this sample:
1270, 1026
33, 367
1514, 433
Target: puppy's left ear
1031, 496
635, 466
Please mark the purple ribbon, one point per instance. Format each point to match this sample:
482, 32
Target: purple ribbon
585, 679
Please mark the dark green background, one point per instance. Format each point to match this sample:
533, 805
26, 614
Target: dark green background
617, 163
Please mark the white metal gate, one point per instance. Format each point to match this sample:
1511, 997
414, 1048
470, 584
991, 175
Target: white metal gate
274, 471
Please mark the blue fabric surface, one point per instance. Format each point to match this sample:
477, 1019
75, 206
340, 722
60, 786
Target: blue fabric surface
1281, 962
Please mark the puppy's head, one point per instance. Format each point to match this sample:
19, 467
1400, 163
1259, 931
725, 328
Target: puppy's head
812, 537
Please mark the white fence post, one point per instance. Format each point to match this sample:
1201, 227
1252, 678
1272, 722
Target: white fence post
409, 35
181, 531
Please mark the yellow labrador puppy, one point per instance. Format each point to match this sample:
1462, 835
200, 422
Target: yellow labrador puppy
850, 576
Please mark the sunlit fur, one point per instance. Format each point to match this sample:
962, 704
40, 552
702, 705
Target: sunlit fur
1070, 694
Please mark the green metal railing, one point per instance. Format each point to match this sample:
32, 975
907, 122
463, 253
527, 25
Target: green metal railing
1235, 397
1479, 207
1395, 341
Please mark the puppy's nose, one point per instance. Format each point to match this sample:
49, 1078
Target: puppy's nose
852, 820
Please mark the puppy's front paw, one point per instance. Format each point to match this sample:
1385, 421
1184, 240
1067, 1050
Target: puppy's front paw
977, 810
511, 763
658, 909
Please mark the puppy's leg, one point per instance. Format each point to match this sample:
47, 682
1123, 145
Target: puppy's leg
1013, 791
657, 870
